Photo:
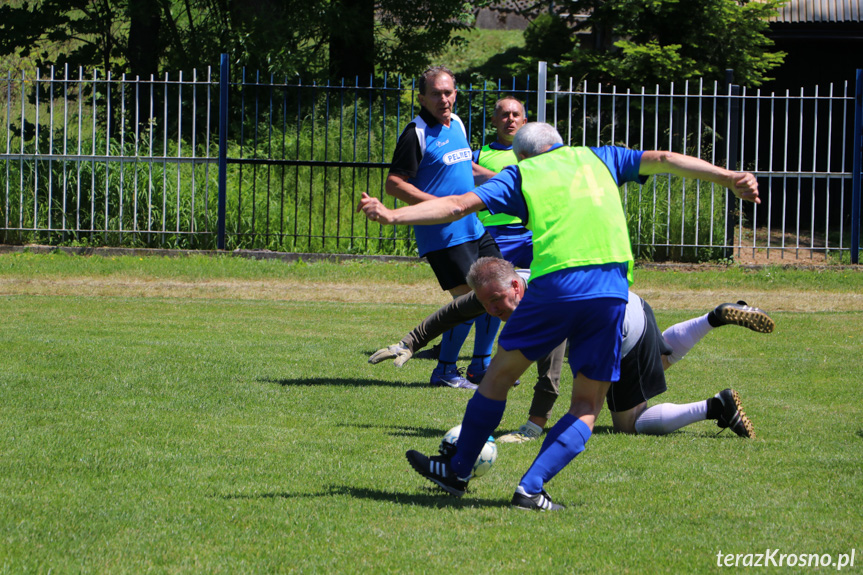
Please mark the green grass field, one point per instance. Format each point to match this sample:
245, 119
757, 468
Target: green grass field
208, 434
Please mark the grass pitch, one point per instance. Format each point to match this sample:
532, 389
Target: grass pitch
208, 434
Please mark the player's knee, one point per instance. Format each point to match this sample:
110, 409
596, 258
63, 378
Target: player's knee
581, 406
624, 421
625, 426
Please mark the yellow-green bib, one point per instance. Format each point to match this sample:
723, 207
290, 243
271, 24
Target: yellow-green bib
574, 212
496, 160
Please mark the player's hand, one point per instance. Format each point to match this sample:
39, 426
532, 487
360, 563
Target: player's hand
374, 209
397, 351
745, 187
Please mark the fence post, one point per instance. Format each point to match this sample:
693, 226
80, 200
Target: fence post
857, 168
223, 151
733, 134
541, 84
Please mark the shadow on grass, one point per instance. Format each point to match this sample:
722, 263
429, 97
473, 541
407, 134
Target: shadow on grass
435, 498
500, 65
400, 431
329, 381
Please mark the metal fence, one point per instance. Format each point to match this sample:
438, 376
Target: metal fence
223, 159
801, 146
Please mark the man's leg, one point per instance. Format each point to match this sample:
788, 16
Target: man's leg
485, 332
482, 416
564, 441
725, 408
486, 326
683, 336
545, 393
446, 372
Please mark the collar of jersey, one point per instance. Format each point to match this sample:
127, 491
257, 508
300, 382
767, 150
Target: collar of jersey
428, 118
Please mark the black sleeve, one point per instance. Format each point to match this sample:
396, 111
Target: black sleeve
455, 312
407, 155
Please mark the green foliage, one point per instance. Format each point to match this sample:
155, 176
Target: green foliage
547, 38
486, 54
132, 201
289, 38
634, 43
413, 34
56, 32
660, 64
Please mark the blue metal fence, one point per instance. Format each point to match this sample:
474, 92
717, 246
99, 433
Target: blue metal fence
305, 153
244, 161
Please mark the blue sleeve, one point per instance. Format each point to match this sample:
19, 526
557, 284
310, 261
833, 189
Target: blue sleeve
475, 156
623, 163
502, 193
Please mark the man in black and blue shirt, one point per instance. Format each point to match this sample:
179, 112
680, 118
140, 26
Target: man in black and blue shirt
433, 159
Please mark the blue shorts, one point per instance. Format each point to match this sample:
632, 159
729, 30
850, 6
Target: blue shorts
517, 249
592, 326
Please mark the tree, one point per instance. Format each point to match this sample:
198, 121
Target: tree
352, 39
548, 37
143, 49
643, 42
311, 38
58, 32
409, 35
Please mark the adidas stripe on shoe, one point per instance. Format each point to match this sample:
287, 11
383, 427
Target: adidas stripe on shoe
538, 502
437, 469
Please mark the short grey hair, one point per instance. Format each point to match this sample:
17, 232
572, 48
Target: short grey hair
534, 138
497, 105
430, 74
490, 271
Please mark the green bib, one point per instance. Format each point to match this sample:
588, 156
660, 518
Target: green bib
496, 160
574, 211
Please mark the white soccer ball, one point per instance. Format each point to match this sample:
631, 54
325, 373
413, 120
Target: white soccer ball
486, 458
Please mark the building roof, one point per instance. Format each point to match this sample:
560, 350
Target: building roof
793, 11
816, 11
517, 6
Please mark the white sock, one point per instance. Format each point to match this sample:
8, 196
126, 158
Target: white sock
537, 430
667, 417
684, 335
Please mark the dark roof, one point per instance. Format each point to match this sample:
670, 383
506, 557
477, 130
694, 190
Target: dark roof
527, 8
793, 11
816, 11
517, 6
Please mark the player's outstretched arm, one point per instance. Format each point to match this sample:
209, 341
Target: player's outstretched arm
742, 184
437, 211
458, 311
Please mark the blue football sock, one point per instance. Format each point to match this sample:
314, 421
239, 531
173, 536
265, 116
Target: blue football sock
562, 444
481, 418
483, 342
451, 342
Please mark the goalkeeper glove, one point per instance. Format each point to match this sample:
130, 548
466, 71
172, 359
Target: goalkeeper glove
398, 352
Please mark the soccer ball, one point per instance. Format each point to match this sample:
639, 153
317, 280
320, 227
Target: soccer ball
486, 458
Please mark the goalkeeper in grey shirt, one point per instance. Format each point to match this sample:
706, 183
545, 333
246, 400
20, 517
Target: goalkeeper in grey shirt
646, 354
